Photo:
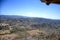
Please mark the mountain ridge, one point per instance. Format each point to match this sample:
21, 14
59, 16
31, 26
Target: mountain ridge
27, 17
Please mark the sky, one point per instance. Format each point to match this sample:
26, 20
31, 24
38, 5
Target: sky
30, 8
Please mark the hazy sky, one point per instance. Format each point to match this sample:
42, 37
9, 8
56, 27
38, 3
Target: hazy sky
31, 8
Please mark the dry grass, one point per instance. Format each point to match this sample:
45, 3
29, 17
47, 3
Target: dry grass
35, 32
4, 32
8, 37
4, 24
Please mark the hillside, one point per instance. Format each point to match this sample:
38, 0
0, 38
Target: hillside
29, 28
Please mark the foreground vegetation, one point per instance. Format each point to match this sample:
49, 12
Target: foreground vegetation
25, 28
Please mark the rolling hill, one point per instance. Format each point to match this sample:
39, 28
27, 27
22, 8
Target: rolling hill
22, 26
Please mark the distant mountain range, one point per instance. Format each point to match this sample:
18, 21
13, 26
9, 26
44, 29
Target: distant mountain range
36, 18
34, 22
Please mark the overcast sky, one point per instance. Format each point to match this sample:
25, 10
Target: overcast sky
31, 8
